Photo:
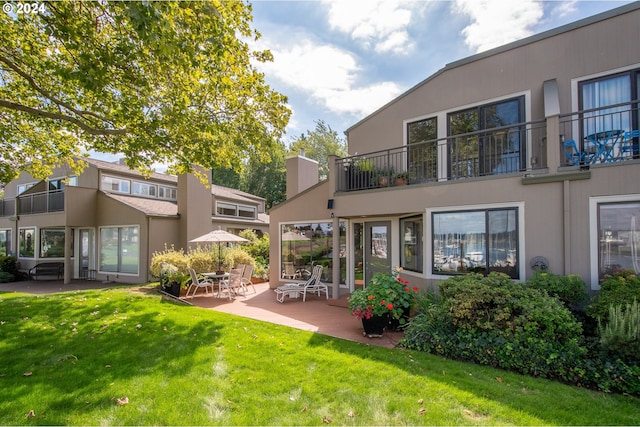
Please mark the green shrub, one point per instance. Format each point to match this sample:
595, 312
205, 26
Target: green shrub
171, 256
203, 260
8, 264
6, 277
258, 247
570, 290
237, 255
620, 335
493, 321
619, 289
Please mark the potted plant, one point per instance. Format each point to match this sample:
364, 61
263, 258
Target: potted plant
402, 178
172, 279
383, 175
387, 297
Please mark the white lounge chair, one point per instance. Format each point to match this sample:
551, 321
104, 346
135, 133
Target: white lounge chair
246, 277
314, 285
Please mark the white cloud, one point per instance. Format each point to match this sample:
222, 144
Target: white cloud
375, 24
326, 74
497, 22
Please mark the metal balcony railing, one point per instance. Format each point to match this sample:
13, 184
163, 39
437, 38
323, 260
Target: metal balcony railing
44, 202
501, 150
7, 207
600, 135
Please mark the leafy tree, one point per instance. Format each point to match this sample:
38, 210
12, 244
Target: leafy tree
267, 179
167, 82
319, 144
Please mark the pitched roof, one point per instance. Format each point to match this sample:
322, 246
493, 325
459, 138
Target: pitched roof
232, 193
147, 206
124, 169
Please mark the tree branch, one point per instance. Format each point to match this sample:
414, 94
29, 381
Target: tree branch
56, 116
46, 94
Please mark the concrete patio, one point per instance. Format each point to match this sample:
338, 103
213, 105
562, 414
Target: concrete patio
316, 314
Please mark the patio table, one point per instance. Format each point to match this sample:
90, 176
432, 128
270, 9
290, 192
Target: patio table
604, 143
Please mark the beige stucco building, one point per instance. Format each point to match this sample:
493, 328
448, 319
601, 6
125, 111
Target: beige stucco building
521, 157
106, 223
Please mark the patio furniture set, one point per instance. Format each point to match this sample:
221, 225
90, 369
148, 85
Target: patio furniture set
233, 283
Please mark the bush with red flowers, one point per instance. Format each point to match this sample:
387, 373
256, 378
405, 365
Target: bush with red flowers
385, 294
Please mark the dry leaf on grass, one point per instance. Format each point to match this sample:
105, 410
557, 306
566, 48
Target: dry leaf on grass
27, 374
123, 401
31, 413
420, 401
499, 379
351, 414
422, 411
326, 420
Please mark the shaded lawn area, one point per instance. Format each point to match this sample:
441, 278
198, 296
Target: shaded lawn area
67, 358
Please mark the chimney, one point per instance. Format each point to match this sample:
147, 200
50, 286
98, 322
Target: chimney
302, 173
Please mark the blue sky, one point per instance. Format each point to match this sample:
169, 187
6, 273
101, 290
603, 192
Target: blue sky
340, 60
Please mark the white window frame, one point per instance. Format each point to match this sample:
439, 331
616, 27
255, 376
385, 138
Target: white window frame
108, 179
21, 188
428, 235
118, 227
138, 189
594, 232
164, 189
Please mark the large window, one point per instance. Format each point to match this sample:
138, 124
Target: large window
422, 138
306, 245
5, 242
52, 243
231, 209
618, 237
119, 249
475, 241
26, 242
488, 141
169, 193
411, 243
608, 108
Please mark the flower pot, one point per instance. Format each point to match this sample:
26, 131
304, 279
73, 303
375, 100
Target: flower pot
374, 327
172, 288
395, 325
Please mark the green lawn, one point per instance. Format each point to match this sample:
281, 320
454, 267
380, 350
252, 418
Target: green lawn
67, 358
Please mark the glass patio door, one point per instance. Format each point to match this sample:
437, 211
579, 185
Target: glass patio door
377, 248
85, 256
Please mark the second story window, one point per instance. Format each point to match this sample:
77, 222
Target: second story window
144, 189
169, 193
422, 138
24, 187
238, 211
117, 185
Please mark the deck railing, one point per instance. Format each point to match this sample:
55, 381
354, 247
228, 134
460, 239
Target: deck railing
7, 207
507, 149
47, 201
600, 135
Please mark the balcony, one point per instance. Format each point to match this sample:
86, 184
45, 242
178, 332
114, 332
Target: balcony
44, 202
600, 136
501, 150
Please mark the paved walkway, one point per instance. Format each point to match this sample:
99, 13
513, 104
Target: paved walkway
314, 315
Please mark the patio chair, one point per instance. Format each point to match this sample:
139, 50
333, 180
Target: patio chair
197, 283
234, 284
628, 149
314, 285
575, 156
247, 272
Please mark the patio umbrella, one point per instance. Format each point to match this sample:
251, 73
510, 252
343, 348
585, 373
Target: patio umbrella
218, 236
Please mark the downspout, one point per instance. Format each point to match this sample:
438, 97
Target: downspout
566, 220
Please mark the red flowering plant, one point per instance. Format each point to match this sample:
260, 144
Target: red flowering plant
386, 294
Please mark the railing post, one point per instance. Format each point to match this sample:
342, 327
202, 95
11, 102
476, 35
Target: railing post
553, 143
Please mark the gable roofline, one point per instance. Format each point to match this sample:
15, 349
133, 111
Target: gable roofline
126, 170
509, 46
